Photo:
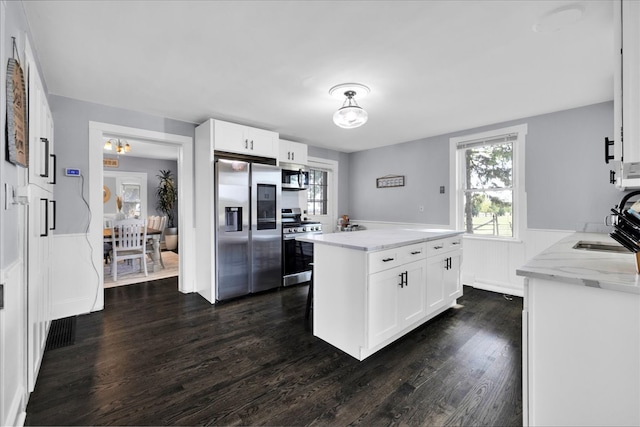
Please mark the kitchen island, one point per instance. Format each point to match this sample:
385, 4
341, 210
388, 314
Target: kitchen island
371, 287
581, 334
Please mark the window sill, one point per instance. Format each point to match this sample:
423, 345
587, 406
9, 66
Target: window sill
493, 239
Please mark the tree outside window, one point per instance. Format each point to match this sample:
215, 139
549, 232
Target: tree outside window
488, 187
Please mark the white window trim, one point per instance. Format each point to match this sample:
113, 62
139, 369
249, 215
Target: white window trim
456, 180
331, 217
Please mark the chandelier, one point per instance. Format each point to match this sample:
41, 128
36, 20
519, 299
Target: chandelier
121, 146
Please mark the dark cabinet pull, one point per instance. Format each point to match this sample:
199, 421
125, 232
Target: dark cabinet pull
246, 144
293, 155
252, 144
438, 247
607, 143
401, 276
388, 259
55, 174
612, 177
406, 278
45, 158
416, 252
46, 217
53, 202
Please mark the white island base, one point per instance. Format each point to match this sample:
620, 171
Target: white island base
372, 287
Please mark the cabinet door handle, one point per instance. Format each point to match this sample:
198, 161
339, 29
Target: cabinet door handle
246, 144
455, 243
612, 177
401, 276
438, 247
293, 155
388, 259
607, 143
406, 278
54, 158
46, 217
416, 252
252, 144
53, 202
288, 155
45, 158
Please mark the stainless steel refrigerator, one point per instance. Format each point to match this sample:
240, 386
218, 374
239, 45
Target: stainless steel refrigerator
249, 228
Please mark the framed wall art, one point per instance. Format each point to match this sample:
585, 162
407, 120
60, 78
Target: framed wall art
17, 126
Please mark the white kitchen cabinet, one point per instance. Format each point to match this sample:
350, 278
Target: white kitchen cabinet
293, 152
443, 272
364, 298
626, 134
41, 218
396, 300
42, 161
235, 138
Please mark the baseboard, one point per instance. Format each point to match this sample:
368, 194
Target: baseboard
500, 288
16, 413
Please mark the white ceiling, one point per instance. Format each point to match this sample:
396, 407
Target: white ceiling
433, 66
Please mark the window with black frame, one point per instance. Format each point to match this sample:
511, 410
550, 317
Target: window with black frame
317, 193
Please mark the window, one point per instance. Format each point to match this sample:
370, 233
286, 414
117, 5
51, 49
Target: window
317, 193
131, 200
490, 190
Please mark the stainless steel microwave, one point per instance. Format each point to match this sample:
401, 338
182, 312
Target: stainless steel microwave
294, 177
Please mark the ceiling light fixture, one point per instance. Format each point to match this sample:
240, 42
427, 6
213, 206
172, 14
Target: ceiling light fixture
121, 147
350, 115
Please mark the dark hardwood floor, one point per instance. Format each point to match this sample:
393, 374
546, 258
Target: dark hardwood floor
157, 357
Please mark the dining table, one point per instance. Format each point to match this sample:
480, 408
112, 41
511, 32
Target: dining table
153, 235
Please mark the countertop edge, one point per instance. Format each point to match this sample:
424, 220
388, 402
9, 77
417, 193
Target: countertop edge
437, 234
561, 263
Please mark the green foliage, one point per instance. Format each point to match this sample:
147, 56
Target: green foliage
167, 195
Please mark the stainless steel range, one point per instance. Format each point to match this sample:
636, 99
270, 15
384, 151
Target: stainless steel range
297, 255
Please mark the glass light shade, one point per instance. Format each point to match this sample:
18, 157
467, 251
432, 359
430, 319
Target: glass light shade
127, 148
350, 117
108, 146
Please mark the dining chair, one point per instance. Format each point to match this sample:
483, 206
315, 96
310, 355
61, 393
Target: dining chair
128, 238
159, 223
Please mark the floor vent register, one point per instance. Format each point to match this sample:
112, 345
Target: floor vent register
62, 333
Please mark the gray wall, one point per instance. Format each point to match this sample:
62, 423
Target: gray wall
71, 120
566, 177
149, 166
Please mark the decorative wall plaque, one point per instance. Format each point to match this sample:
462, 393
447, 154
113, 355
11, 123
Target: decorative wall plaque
390, 181
110, 163
17, 126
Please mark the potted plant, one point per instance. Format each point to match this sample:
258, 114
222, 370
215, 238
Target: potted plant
166, 199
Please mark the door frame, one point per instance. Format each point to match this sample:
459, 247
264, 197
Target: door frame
186, 238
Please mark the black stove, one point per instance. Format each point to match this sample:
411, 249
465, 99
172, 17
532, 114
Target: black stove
292, 223
297, 256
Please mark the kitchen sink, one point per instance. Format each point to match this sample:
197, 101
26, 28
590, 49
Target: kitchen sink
601, 247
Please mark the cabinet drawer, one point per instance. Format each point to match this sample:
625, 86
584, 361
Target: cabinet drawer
440, 246
383, 260
414, 252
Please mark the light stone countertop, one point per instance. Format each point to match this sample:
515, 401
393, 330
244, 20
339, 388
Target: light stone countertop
375, 240
561, 263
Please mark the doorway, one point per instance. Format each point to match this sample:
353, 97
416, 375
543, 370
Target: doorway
183, 146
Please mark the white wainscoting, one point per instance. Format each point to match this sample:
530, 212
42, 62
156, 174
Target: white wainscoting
77, 283
13, 357
490, 264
